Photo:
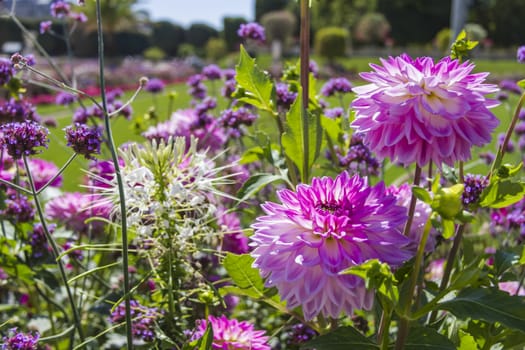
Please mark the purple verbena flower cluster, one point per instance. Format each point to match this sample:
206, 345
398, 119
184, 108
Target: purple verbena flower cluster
24, 138
155, 86
84, 139
252, 31
285, 97
520, 54
234, 119
20, 341
474, 185
358, 159
6, 71
336, 86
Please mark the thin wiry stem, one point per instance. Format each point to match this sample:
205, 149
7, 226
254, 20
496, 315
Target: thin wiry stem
118, 175
56, 252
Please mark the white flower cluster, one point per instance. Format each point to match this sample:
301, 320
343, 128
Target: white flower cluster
170, 191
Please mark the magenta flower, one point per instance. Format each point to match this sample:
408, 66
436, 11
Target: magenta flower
318, 231
520, 54
232, 334
155, 86
6, 71
42, 171
20, 341
416, 110
512, 287
45, 26
73, 209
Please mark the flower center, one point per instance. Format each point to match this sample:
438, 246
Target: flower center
328, 208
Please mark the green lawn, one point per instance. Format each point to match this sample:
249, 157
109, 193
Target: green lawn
124, 132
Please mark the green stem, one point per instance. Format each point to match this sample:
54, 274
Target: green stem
404, 323
450, 264
118, 175
384, 325
292, 172
508, 135
60, 171
55, 250
413, 200
305, 55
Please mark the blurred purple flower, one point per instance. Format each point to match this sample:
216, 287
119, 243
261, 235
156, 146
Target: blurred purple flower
233, 120
42, 171
143, 323
212, 72
252, 31
6, 71
45, 26
155, 86
20, 341
416, 110
60, 9
285, 97
520, 54
334, 113
336, 86
510, 86
65, 99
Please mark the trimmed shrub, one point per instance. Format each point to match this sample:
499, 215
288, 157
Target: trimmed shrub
279, 25
168, 37
372, 28
216, 49
154, 54
231, 38
331, 42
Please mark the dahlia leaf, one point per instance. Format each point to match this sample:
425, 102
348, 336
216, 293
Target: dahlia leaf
203, 343
521, 83
502, 193
466, 341
256, 83
246, 278
427, 338
488, 304
341, 339
302, 137
332, 128
504, 260
255, 183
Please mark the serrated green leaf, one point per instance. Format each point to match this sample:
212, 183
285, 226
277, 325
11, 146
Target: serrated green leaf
343, 338
257, 84
203, 343
332, 127
255, 183
488, 304
245, 277
300, 145
502, 193
422, 194
427, 339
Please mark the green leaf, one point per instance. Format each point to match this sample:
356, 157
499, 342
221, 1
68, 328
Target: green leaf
502, 193
332, 127
488, 304
522, 258
343, 338
466, 341
504, 260
427, 338
245, 277
422, 194
521, 83
255, 183
300, 146
256, 83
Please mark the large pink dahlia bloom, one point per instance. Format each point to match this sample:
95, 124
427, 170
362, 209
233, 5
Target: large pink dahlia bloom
318, 231
416, 110
232, 334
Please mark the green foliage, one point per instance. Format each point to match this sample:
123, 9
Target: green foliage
331, 42
247, 280
279, 25
442, 40
340, 13
262, 7
343, 338
131, 43
230, 27
488, 304
198, 34
475, 32
427, 338
462, 46
255, 183
215, 49
168, 37
372, 28
503, 190
154, 54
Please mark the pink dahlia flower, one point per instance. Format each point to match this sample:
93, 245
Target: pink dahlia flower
416, 110
318, 231
232, 334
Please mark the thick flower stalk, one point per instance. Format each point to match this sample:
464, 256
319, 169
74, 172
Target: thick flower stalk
415, 110
302, 244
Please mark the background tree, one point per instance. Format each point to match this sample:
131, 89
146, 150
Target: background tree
198, 35
373, 28
117, 15
230, 27
167, 36
340, 13
279, 26
264, 6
